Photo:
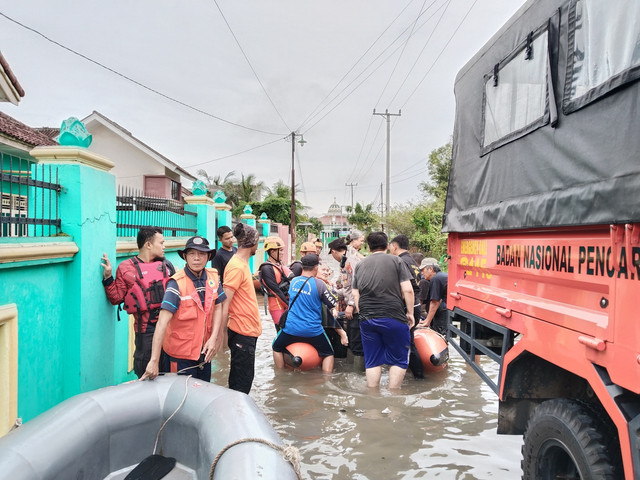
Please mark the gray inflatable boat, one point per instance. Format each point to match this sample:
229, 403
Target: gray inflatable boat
106, 433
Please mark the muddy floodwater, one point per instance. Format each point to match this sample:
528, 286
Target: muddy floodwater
442, 427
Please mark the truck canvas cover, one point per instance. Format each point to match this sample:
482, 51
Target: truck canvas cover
547, 121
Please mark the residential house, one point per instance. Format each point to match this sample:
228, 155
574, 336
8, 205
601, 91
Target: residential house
138, 167
16, 141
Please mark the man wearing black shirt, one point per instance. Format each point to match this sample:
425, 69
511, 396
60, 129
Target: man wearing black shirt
225, 252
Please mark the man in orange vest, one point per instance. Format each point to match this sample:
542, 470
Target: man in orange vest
188, 328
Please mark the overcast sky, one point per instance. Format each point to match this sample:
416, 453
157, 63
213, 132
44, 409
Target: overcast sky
324, 66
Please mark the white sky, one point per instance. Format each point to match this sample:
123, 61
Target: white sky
300, 50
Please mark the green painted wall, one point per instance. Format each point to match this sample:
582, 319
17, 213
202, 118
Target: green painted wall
35, 287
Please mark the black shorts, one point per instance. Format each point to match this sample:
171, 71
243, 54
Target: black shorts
320, 342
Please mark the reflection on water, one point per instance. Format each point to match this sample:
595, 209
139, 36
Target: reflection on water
442, 427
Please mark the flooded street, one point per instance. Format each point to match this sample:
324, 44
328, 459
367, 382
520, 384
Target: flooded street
442, 427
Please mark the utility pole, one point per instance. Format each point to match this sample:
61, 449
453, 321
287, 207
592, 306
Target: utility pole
388, 189
351, 185
293, 191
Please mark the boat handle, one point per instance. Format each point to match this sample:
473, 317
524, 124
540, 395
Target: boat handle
505, 312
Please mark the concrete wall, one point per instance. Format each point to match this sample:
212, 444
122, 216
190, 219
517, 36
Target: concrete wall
69, 339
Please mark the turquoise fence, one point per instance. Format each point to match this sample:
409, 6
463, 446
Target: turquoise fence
135, 210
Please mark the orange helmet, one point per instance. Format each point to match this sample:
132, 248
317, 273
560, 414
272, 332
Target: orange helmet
308, 247
273, 243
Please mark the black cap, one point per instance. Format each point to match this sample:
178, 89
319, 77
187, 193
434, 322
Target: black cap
310, 260
196, 243
338, 244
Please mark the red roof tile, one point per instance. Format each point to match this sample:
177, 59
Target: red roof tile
16, 130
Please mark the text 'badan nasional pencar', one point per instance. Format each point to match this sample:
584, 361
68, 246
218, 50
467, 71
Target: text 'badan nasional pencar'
108, 432
543, 216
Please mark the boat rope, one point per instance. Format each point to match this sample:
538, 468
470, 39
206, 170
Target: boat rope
186, 390
289, 453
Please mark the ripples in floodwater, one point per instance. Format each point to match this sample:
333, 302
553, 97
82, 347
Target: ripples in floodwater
442, 427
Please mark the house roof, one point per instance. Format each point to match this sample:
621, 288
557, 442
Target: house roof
126, 135
10, 89
16, 130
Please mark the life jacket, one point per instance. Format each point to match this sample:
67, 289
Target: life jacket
146, 293
192, 324
282, 279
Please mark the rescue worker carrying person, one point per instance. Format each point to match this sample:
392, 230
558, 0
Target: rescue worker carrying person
190, 321
274, 278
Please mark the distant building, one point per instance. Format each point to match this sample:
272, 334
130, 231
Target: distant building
335, 223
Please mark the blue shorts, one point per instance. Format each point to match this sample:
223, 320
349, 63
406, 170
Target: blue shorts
385, 341
320, 342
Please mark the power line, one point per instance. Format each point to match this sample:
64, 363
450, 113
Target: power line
441, 52
234, 154
362, 73
421, 52
413, 26
312, 113
250, 66
163, 95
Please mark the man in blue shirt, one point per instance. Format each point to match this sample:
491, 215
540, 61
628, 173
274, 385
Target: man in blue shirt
304, 321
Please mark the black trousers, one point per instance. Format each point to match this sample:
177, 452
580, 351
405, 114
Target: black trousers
353, 334
243, 360
142, 353
415, 363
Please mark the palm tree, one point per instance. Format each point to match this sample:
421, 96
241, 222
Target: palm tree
248, 189
227, 184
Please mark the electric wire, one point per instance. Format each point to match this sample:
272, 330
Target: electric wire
250, 65
234, 154
312, 113
404, 47
362, 73
135, 82
440, 54
421, 52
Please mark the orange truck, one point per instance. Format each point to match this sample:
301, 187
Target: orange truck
543, 216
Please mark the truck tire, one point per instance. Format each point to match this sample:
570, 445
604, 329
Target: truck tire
564, 439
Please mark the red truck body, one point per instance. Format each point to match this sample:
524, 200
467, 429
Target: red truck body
543, 218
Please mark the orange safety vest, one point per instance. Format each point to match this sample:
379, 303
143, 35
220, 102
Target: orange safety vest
274, 302
191, 326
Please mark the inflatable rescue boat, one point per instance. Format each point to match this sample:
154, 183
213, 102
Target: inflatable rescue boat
433, 349
107, 433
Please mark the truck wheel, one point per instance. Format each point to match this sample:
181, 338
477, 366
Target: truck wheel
565, 440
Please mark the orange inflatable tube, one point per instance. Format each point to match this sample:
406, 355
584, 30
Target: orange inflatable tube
301, 356
433, 349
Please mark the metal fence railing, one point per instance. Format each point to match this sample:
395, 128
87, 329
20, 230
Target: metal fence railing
135, 210
29, 191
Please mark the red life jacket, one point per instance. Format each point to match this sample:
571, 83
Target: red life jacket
146, 293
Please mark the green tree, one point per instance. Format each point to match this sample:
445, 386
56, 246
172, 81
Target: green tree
277, 205
363, 217
439, 166
217, 182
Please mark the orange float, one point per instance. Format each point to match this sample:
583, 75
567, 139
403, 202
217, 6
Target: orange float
432, 348
301, 356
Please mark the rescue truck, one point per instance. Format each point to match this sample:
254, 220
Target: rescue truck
543, 217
